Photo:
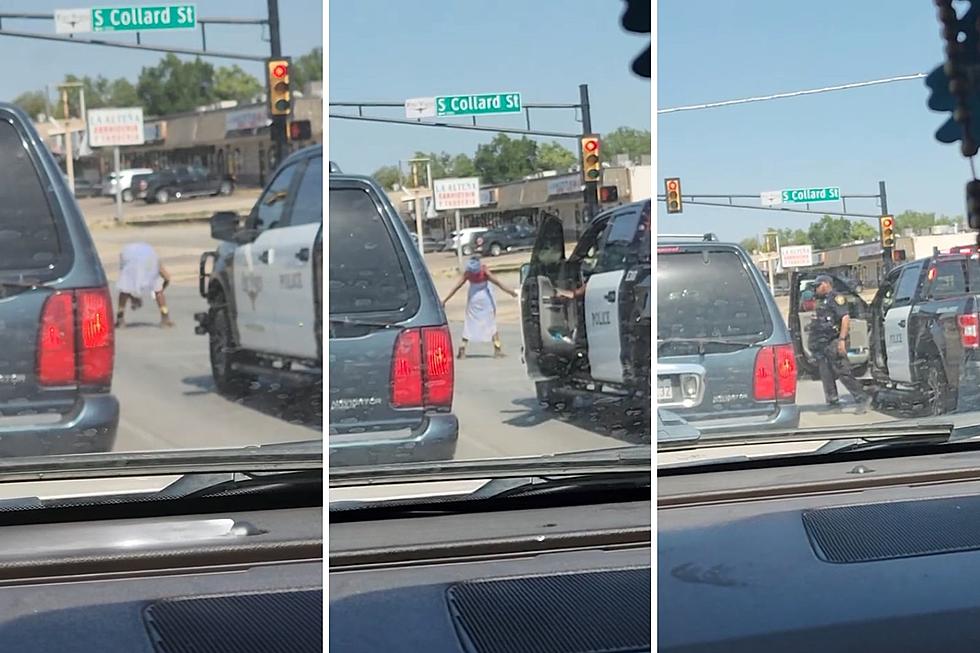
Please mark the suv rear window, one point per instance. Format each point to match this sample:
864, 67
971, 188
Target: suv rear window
28, 232
708, 294
366, 273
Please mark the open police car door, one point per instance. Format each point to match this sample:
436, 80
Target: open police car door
546, 321
802, 307
612, 318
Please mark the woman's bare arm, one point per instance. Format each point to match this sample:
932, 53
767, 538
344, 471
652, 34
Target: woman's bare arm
459, 284
495, 281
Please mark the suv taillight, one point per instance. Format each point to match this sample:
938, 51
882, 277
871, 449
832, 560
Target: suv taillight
94, 307
422, 372
75, 340
969, 330
774, 376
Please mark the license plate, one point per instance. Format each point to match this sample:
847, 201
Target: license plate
665, 389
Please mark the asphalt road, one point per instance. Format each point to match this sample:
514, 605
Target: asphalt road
500, 416
167, 397
164, 385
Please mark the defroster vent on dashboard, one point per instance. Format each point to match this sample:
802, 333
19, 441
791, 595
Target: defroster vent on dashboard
899, 529
288, 621
595, 612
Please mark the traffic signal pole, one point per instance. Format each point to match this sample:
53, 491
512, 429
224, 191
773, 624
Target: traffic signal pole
887, 253
591, 187
278, 122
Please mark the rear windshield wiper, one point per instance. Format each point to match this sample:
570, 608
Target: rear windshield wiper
346, 321
702, 343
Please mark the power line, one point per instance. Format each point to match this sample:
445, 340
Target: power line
779, 96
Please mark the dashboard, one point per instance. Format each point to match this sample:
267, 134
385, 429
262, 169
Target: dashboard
871, 555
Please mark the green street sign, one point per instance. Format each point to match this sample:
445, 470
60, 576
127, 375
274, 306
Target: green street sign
130, 19
478, 105
807, 195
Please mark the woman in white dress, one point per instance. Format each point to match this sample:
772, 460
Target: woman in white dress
141, 274
481, 309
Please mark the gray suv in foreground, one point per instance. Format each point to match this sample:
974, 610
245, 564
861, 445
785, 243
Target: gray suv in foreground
391, 354
717, 317
56, 329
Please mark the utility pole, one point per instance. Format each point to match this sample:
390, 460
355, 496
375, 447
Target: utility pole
591, 187
278, 122
886, 252
69, 155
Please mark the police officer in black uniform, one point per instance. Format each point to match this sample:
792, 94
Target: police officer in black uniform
828, 342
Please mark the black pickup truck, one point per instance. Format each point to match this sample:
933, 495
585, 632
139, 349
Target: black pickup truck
183, 182
919, 338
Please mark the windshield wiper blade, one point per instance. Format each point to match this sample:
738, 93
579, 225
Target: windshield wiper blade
915, 432
631, 458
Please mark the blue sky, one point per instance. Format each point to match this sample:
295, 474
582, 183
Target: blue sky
47, 62
442, 47
716, 50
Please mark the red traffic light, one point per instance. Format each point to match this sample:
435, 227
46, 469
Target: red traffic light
279, 71
887, 223
672, 185
591, 145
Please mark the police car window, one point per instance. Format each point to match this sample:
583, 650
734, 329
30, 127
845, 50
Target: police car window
365, 270
308, 207
270, 206
620, 241
708, 295
907, 284
28, 235
949, 279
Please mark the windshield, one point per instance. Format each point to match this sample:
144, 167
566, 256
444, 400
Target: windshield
460, 328
803, 290
139, 313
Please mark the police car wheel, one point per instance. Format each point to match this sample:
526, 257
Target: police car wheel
227, 380
939, 398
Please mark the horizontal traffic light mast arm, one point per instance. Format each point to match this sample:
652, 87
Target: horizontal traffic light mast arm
843, 214
134, 46
418, 123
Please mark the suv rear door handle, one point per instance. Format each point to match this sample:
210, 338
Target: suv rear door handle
610, 296
264, 256
303, 254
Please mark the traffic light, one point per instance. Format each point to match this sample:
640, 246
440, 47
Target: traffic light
953, 84
887, 231
300, 130
608, 193
591, 165
672, 186
280, 96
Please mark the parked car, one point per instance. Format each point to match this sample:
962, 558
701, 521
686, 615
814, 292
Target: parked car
715, 309
597, 342
465, 238
124, 180
429, 243
506, 238
391, 353
184, 182
87, 188
56, 362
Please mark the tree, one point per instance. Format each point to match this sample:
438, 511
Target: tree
462, 166
554, 156
307, 68
174, 86
750, 245
388, 176
626, 140
863, 231
833, 232
916, 220
505, 159
32, 102
233, 83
